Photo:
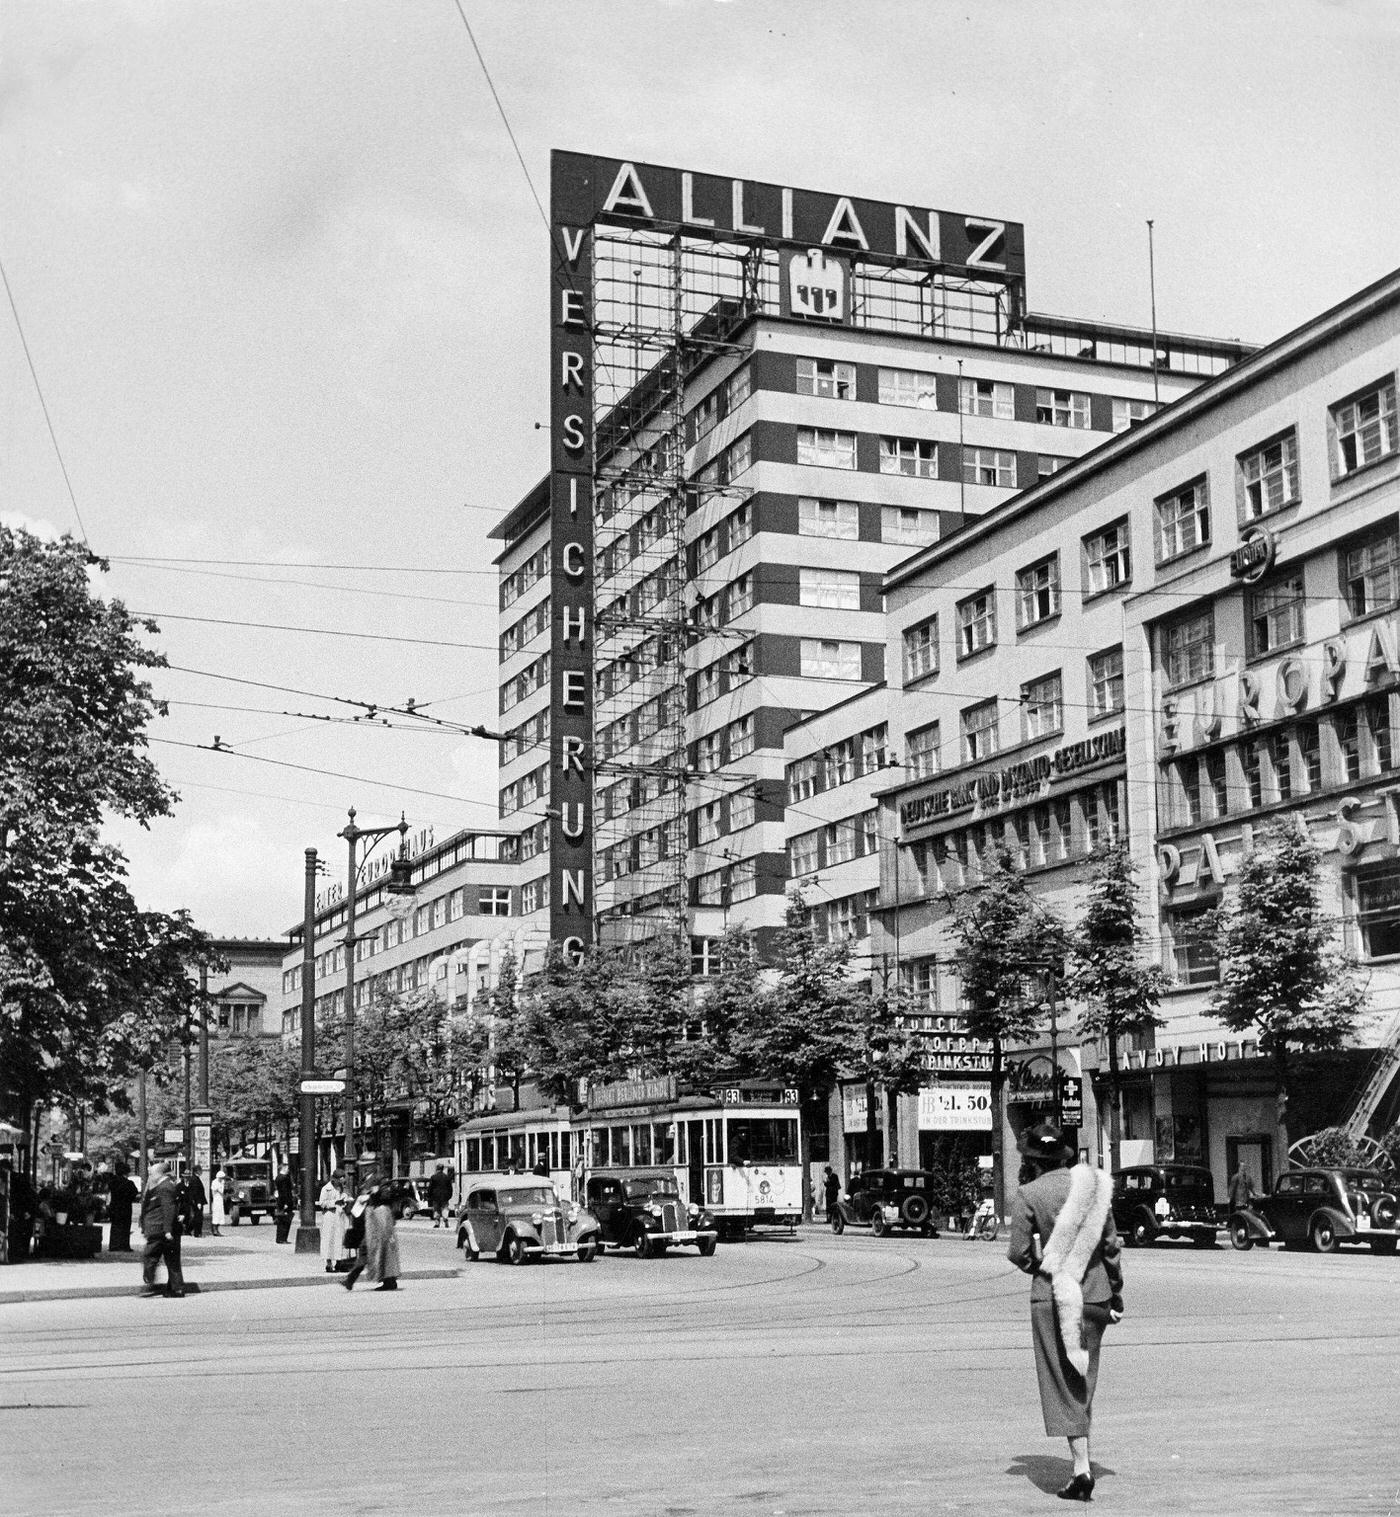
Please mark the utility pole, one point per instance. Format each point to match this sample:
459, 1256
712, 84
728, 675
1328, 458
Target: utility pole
1152, 287
308, 1234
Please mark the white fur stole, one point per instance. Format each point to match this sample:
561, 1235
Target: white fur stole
1076, 1234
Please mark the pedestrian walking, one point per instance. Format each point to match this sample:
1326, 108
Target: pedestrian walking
121, 1197
1241, 1188
284, 1203
379, 1249
160, 1222
440, 1195
218, 1203
331, 1205
1062, 1235
831, 1185
197, 1198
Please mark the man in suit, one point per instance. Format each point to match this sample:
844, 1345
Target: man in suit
160, 1222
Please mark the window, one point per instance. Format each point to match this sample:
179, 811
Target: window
802, 853
1371, 573
1038, 592
1253, 772
979, 731
1364, 429
921, 650
1349, 742
1189, 771
707, 550
1378, 911
828, 518
1269, 478
1042, 702
1062, 408
907, 387
709, 890
739, 597
1107, 561
802, 779
707, 757
843, 842
874, 743
1189, 652
1047, 464
741, 737
987, 397
830, 660
740, 525
741, 811
1183, 521
707, 823
494, 902
1276, 615
989, 466
834, 588
1281, 757
921, 752
822, 376
743, 880
1214, 765
1106, 682
825, 448
1310, 754
705, 415
738, 456
908, 525
977, 623
1378, 725
909, 455
534, 895
1193, 960
1126, 412
737, 388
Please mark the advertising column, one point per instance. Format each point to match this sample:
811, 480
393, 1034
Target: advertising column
571, 573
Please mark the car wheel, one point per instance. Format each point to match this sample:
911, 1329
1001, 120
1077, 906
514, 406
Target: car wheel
587, 1252
1142, 1233
1323, 1236
878, 1225
707, 1247
1384, 1245
515, 1250
915, 1210
1241, 1237
838, 1223
641, 1244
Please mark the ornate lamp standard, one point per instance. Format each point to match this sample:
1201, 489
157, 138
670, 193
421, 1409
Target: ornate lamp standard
400, 882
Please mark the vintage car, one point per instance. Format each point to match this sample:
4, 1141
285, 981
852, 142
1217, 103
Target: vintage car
519, 1218
883, 1199
408, 1198
248, 1189
1152, 1201
1323, 1207
641, 1209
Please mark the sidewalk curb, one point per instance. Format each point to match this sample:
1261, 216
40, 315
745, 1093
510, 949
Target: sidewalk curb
194, 1288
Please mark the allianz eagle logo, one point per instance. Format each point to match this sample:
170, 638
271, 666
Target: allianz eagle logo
817, 286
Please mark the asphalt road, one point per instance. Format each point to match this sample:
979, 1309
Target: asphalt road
782, 1376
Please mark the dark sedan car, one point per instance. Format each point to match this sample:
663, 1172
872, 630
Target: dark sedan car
1323, 1207
643, 1210
1152, 1201
883, 1199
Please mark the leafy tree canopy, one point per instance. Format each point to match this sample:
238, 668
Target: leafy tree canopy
1110, 975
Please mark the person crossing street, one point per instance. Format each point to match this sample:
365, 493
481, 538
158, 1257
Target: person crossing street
160, 1222
440, 1196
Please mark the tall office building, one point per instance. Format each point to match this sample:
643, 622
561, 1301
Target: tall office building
763, 398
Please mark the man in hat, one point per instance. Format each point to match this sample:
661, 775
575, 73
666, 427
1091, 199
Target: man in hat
160, 1222
439, 1195
119, 1202
195, 1199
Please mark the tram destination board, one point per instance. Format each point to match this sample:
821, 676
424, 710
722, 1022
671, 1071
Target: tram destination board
756, 1095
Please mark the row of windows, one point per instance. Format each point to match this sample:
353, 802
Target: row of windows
720, 818
835, 843
907, 525
1041, 707
533, 732
535, 621
642, 722
846, 919
1290, 761
721, 887
658, 526
918, 458
654, 846
630, 794
726, 673
1037, 837
624, 671
853, 757
534, 676
716, 749
525, 791
722, 401
724, 537
1275, 611
726, 466
534, 569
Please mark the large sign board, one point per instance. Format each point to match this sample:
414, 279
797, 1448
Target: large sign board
956, 1106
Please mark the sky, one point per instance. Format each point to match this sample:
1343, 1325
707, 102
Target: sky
283, 282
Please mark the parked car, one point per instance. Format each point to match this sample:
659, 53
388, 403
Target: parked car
1152, 1201
520, 1217
642, 1210
248, 1189
408, 1198
883, 1199
1323, 1207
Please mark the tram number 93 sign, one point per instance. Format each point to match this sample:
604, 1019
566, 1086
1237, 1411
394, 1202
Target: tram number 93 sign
956, 1106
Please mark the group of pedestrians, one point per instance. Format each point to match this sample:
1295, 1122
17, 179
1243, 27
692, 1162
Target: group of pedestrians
358, 1232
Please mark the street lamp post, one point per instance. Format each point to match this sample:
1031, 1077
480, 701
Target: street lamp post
400, 883
308, 1234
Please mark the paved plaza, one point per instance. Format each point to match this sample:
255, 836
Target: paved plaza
784, 1376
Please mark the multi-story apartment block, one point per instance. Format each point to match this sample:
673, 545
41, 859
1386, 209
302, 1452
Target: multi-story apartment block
1176, 639
764, 400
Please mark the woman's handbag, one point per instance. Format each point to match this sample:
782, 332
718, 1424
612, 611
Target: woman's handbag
355, 1233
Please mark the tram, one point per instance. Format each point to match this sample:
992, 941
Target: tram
733, 1149
491, 1142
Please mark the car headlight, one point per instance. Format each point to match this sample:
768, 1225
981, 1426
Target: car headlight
537, 1217
573, 1214
693, 1209
654, 1209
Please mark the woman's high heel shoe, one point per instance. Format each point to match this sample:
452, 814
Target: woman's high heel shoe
1080, 1488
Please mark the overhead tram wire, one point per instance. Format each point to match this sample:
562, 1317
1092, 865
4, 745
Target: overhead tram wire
283, 563
43, 404
374, 637
308, 584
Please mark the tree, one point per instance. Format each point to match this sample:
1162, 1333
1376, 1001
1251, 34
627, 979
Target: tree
1007, 941
881, 1050
1118, 991
1281, 977
90, 986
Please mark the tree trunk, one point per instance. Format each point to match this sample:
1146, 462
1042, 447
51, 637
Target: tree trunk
1281, 1105
1115, 1107
998, 1129
872, 1125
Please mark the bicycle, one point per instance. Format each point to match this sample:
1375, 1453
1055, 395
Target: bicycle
984, 1224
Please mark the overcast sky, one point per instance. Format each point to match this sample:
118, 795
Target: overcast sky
285, 288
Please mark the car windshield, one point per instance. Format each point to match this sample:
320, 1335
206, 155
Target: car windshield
1364, 1179
1190, 1179
653, 1185
536, 1195
248, 1171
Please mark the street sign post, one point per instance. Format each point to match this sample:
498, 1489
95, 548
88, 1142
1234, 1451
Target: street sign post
316, 1085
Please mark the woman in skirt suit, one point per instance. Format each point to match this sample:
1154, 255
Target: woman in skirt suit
1062, 1235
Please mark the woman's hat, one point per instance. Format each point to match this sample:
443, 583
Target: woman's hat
1044, 1141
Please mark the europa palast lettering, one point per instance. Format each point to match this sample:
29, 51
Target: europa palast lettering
1014, 782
